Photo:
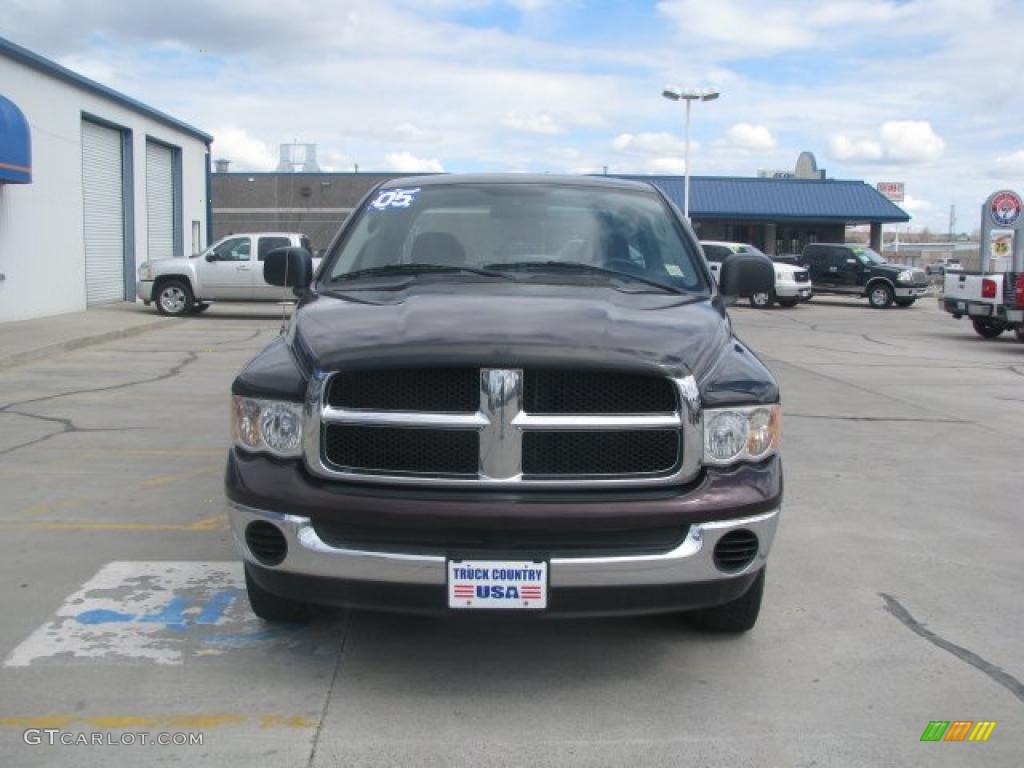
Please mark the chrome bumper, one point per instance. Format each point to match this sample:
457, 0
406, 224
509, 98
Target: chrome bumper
908, 292
690, 562
144, 290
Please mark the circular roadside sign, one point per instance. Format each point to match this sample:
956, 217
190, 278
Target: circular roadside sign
1005, 208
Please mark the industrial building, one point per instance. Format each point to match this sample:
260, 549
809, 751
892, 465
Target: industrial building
778, 215
92, 182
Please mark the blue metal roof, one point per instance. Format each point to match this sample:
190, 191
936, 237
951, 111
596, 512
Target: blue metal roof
754, 199
52, 68
15, 145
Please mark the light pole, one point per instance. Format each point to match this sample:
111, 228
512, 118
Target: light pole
688, 95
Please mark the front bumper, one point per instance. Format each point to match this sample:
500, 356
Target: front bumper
793, 290
144, 290
911, 291
685, 577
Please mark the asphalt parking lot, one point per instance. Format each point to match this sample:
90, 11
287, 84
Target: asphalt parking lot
893, 595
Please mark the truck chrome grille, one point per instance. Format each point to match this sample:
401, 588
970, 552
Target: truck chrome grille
441, 390
551, 391
394, 449
586, 454
524, 428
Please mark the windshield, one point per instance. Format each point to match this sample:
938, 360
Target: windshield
868, 256
542, 232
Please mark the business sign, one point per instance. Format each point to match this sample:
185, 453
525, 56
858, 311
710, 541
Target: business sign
892, 190
1004, 208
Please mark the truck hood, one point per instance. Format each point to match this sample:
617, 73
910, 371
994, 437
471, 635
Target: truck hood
511, 325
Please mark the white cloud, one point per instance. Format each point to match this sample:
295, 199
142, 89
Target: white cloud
406, 162
536, 122
914, 205
747, 136
650, 144
897, 141
1011, 164
245, 152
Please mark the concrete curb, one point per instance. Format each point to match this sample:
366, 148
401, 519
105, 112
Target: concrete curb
29, 355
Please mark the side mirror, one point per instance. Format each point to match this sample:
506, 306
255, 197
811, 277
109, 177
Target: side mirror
211, 256
289, 267
744, 274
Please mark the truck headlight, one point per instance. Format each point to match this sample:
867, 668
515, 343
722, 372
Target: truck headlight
906, 276
273, 426
145, 271
741, 434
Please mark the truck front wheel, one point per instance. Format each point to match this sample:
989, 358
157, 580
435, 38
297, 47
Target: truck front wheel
880, 296
739, 615
271, 607
174, 298
988, 329
763, 300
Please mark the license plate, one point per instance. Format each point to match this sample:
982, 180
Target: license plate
979, 309
501, 584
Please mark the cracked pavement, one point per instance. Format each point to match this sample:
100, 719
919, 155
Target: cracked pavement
892, 598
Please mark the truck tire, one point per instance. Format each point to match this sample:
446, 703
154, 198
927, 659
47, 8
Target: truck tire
271, 607
880, 295
905, 302
763, 300
739, 615
988, 329
174, 298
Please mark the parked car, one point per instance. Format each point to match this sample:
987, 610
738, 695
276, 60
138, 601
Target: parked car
944, 266
509, 393
993, 301
792, 282
856, 270
229, 270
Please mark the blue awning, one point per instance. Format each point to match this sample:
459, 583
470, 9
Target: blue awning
15, 145
756, 199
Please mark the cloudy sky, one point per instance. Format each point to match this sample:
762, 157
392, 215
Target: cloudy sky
922, 91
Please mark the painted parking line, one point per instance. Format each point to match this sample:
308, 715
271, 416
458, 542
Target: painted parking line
212, 523
191, 721
163, 613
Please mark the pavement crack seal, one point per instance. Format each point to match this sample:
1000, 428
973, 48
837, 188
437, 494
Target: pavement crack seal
345, 631
999, 675
876, 418
67, 425
175, 370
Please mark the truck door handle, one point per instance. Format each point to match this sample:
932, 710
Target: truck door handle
242, 269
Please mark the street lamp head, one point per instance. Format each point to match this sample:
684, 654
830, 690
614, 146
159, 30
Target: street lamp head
710, 95
670, 93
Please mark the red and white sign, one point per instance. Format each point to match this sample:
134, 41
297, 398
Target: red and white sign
501, 584
892, 190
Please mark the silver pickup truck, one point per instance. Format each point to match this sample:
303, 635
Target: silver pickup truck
229, 270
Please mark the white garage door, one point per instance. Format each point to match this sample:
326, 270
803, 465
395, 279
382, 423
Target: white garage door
160, 200
103, 194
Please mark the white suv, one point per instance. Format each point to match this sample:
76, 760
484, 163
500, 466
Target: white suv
792, 282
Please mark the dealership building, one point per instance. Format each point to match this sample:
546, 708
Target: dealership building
92, 183
779, 213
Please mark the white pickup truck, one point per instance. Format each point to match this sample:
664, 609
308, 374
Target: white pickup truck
994, 302
229, 270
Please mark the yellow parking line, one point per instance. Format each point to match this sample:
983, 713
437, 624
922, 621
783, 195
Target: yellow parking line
187, 722
214, 523
160, 480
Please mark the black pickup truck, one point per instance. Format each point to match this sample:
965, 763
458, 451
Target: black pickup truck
509, 393
856, 270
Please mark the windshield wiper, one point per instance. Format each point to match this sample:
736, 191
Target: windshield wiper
575, 266
414, 269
